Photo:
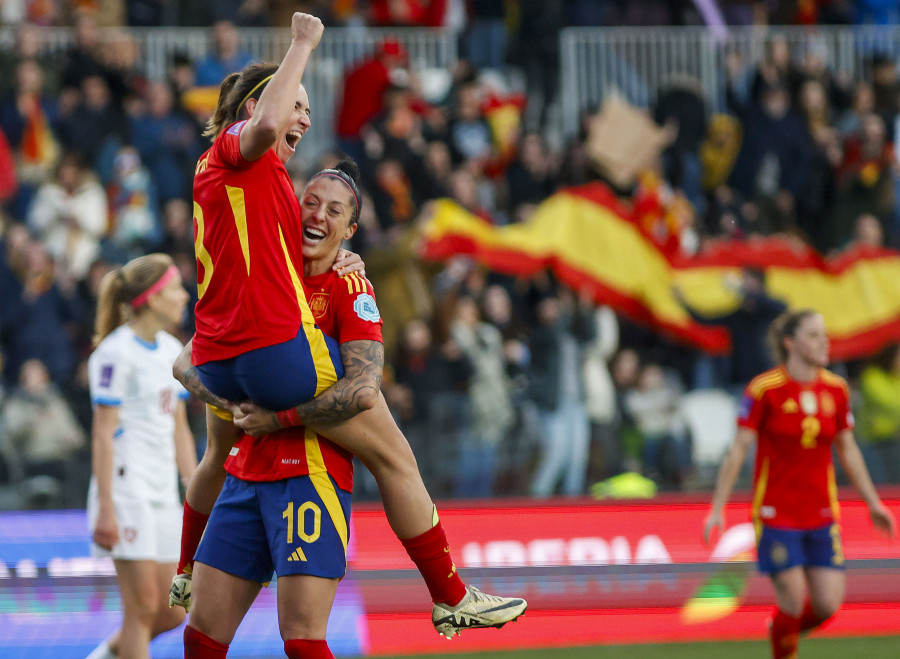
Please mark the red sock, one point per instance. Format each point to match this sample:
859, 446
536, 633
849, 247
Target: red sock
193, 524
198, 645
785, 636
431, 554
305, 649
809, 620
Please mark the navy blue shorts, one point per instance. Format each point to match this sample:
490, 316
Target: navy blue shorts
780, 549
298, 525
280, 376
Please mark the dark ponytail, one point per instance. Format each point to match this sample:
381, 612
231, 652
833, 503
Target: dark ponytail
235, 91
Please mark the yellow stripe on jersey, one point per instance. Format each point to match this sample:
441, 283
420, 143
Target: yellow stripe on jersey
325, 372
759, 495
202, 255
306, 316
239, 209
324, 486
349, 283
768, 380
833, 379
833, 494
359, 283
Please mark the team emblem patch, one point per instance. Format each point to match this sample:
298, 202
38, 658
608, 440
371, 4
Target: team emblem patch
365, 307
809, 403
129, 533
106, 373
236, 128
318, 304
778, 554
827, 402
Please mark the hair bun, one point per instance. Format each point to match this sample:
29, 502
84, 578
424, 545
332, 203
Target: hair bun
350, 168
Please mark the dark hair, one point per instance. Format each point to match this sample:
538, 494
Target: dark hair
783, 327
348, 171
235, 91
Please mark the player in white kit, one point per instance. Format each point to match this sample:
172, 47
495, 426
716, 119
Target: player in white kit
140, 440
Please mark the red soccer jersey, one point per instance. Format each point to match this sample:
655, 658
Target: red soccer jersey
344, 308
796, 423
247, 239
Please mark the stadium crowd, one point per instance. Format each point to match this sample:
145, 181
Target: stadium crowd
503, 386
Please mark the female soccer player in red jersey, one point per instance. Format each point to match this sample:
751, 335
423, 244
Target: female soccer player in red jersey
795, 413
345, 308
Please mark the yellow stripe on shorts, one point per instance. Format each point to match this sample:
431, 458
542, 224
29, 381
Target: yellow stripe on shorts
325, 487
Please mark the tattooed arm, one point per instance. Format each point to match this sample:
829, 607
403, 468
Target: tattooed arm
187, 374
357, 391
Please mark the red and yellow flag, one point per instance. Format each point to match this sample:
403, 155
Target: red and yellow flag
593, 242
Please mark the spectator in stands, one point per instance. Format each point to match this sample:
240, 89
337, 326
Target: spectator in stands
862, 104
167, 140
486, 36
96, 126
681, 105
864, 182
773, 163
133, 228
430, 397
363, 93
490, 408
531, 178
226, 57
775, 70
36, 315
84, 58
469, 134
40, 425
885, 84
557, 387
536, 51
28, 46
606, 458
69, 216
654, 406
867, 232
747, 325
27, 117
178, 228
879, 415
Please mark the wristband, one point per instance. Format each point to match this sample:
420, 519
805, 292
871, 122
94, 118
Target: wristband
289, 418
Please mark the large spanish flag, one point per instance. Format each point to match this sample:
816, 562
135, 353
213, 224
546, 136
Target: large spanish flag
595, 242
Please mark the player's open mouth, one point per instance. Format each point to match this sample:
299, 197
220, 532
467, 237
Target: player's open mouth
292, 138
312, 235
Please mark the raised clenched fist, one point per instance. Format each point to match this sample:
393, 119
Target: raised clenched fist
306, 28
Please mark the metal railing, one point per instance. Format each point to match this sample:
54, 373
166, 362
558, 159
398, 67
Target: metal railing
339, 49
637, 62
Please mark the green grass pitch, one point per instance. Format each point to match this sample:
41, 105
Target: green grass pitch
883, 647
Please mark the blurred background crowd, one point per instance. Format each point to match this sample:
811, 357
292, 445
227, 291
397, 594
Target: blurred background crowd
504, 386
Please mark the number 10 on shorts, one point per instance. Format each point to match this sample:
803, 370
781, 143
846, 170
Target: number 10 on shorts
302, 517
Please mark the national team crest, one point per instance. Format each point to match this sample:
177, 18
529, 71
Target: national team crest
778, 554
318, 304
809, 403
365, 307
827, 402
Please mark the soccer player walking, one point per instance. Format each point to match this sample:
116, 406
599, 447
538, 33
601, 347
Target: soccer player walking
795, 413
140, 434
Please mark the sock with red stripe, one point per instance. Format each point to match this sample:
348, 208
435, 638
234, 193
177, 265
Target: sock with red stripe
198, 645
299, 648
785, 635
430, 552
193, 524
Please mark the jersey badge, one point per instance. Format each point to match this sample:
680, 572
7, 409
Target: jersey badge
236, 128
790, 406
809, 403
318, 304
746, 405
826, 400
365, 307
106, 373
778, 553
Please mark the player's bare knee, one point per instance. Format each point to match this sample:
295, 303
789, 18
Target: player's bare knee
824, 609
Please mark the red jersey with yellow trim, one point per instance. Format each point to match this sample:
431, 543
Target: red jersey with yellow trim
345, 309
796, 423
247, 240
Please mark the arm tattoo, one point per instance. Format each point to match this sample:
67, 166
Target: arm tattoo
356, 391
191, 381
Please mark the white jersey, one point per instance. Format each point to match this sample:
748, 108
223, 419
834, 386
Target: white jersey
136, 376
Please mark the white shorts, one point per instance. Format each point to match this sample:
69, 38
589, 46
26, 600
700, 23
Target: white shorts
147, 531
